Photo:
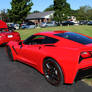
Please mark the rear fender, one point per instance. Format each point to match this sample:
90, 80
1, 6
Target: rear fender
67, 61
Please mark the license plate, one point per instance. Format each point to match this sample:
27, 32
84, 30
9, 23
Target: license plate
10, 36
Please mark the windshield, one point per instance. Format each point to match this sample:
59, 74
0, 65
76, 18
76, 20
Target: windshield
75, 37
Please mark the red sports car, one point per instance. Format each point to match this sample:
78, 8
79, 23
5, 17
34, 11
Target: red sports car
8, 35
59, 55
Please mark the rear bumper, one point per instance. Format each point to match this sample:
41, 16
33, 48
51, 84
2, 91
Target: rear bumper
1, 42
85, 63
84, 73
5, 40
84, 69
81, 70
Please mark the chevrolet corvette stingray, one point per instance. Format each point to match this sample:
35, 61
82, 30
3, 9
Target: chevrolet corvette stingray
58, 55
8, 35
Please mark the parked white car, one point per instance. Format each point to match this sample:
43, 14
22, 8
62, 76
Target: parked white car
16, 26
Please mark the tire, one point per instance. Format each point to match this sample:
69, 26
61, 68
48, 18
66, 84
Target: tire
53, 72
2, 45
9, 53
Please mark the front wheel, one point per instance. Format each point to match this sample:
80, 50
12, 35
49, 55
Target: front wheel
53, 72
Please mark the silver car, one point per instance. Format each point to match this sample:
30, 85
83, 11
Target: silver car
48, 24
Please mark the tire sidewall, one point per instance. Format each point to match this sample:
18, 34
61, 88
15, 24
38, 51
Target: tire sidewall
60, 71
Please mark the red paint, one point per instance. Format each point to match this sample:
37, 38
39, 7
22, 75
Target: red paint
65, 52
6, 35
3, 24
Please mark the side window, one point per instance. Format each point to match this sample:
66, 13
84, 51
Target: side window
39, 39
49, 40
43, 40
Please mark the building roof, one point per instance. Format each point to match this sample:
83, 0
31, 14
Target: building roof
39, 15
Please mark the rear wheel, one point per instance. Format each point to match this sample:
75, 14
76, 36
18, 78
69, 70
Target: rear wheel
53, 72
9, 53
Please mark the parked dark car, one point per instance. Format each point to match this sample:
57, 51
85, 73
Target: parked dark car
83, 22
90, 23
66, 23
11, 27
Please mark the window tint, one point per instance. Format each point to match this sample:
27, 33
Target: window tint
30, 23
75, 37
28, 40
49, 23
39, 39
49, 40
3, 30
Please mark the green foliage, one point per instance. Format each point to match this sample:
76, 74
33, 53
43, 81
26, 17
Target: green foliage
19, 10
36, 11
50, 8
3, 15
62, 10
84, 13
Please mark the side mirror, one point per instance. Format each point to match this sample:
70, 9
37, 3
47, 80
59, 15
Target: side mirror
21, 44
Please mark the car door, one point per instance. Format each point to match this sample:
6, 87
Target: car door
31, 51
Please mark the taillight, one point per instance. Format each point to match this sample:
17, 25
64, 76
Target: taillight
86, 54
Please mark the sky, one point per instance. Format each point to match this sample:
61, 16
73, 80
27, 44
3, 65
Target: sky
40, 5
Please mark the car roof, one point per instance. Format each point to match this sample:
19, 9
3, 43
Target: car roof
55, 34
49, 33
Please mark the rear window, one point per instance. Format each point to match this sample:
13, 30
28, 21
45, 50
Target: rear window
3, 30
75, 37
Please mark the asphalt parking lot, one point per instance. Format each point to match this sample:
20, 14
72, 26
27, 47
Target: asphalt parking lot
18, 77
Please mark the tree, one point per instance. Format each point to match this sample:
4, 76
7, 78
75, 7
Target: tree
50, 8
62, 10
19, 10
89, 14
3, 15
84, 13
36, 11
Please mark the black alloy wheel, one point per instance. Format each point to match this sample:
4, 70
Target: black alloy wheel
53, 72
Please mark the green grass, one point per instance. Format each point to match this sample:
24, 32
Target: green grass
87, 30
80, 29
88, 81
